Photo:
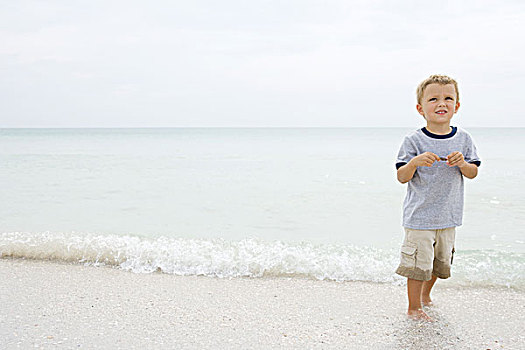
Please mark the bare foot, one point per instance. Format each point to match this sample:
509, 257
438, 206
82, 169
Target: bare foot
419, 315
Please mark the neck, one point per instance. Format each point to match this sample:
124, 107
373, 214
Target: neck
439, 129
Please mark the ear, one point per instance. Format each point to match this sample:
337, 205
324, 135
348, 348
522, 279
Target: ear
457, 107
420, 110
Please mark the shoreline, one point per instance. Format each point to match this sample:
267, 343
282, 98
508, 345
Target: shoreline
53, 304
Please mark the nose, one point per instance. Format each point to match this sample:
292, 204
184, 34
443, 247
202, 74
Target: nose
441, 103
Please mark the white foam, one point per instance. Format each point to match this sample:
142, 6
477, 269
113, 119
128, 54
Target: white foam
251, 258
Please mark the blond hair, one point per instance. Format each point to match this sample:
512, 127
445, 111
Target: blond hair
436, 79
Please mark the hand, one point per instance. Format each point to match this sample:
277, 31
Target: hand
456, 159
424, 159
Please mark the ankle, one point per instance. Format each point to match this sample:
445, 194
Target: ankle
412, 308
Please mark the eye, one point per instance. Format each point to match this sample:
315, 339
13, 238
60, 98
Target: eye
449, 98
432, 99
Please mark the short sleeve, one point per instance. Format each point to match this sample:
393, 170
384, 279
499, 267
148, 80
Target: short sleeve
406, 153
471, 153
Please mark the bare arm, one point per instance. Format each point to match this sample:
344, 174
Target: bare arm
467, 169
407, 171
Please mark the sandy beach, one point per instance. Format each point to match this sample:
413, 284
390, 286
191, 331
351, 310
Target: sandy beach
55, 305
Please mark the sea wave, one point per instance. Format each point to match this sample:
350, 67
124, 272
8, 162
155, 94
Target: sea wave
252, 258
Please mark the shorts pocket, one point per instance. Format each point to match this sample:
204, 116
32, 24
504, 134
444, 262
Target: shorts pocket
452, 256
408, 254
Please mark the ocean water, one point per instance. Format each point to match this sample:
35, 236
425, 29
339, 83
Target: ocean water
227, 202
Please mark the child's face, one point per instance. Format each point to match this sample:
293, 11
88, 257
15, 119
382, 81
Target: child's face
439, 103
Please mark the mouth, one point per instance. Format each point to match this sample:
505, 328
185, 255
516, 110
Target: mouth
441, 112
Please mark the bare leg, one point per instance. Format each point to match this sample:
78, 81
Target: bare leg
414, 288
425, 291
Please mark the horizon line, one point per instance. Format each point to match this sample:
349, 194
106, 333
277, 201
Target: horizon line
237, 127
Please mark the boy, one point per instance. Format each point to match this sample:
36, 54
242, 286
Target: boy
433, 160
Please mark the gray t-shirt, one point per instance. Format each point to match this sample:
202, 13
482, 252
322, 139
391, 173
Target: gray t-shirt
434, 197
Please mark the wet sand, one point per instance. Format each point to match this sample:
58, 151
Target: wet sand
54, 305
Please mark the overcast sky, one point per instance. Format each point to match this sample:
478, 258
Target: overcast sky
256, 63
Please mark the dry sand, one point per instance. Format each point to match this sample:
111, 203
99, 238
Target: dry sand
54, 305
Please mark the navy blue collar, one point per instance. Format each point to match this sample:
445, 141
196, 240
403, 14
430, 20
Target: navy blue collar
436, 136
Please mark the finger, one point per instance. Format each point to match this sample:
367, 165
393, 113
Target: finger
452, 160
457, 158
431, 157
455, 155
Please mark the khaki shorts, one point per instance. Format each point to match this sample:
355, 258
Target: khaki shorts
427, 252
